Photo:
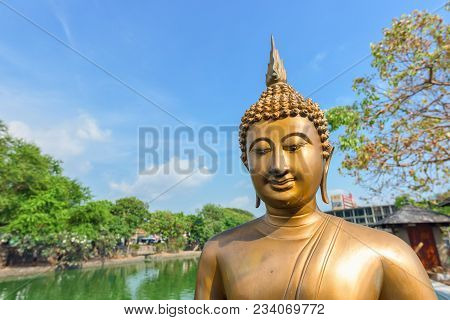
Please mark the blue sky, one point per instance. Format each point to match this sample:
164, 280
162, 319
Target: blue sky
203, 62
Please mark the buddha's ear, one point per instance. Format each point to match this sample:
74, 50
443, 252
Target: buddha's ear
244, 160
323, 182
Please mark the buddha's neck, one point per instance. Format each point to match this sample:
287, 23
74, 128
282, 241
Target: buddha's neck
293, 217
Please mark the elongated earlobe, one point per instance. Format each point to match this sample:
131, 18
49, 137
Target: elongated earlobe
323, 182
258, 202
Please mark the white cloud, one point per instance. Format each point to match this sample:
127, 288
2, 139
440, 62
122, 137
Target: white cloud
60, 15
65, 140
164, 181
240, 202
318, 58
88, 129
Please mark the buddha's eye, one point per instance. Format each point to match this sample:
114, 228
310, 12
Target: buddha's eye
261, 151
293, 147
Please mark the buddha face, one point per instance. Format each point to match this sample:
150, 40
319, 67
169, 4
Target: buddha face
285, 161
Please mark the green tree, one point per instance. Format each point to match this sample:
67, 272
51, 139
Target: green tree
395, 137
32, 182
431, 203
213, 219
95, 222
172, 227
91, 219
35, 197
46, 214
243, 212
130, 214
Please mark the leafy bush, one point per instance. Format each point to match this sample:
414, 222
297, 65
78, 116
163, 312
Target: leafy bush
160, 247
106, 245
176, 244
69, 250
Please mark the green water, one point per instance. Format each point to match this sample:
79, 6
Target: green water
164, 279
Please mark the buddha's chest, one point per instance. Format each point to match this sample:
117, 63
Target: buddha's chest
258, 270
289, 270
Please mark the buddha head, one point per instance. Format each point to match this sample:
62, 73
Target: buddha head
284, 143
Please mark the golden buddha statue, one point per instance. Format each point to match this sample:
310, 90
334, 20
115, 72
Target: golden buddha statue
295, 251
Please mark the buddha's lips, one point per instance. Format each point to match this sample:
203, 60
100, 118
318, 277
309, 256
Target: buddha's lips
281, 185
279, 182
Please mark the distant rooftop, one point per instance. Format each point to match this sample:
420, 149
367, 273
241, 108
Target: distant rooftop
412, 214
445, 203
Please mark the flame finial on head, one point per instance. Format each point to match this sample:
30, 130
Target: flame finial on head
279, 101
275, 70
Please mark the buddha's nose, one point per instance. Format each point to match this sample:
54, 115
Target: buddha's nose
278, 165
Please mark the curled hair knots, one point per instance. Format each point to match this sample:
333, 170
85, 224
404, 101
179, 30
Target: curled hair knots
279, 101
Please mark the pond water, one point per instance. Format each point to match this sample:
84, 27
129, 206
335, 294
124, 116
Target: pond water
161, 279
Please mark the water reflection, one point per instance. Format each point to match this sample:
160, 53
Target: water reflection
170, 279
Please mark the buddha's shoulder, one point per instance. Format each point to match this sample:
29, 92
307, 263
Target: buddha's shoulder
397, 259
382, 243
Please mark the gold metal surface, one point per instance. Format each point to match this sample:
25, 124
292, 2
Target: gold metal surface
295, 251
